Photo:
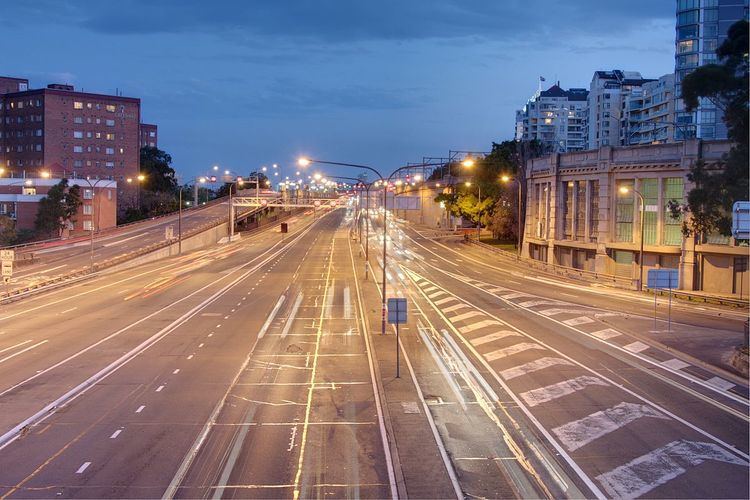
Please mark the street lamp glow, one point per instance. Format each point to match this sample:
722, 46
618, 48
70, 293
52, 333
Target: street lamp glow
29, 182
129, 180
202, 180
624, 190
468, 162
418, 177
216, 167
264, 169
45, 174
505, 178
275, 165
226, 172
303, 162
467, 184
141, 177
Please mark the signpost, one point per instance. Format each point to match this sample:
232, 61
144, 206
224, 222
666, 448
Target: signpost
6, 264
661, 279
169, 233
397, 316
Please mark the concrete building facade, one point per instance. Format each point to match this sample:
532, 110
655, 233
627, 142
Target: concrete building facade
69, 133
648, 113
19, 200
149, 136
577, 217
555, 117
701, 27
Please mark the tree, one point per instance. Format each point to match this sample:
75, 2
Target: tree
7, 231
718, 187
57, 209
156, 167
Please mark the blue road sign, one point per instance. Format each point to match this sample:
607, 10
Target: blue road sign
741, 220
663, 278
396, 311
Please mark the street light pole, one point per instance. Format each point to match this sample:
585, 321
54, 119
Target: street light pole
626, 190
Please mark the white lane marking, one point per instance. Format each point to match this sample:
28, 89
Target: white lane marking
210, 335
120, 242
210, 314
534, 303
6, 358
509, 351
478, 325
436, 294
271, 316
675, 364
17, 345
579, 433
140, 408
160, 388
637, 346
581, 320
515, 295
498, 289
191, 356
115, 434
541, 395
68, 310
606, 334
445, 301
557, 310
176, 371
292, 315
533, 366
643, 474
201, 345
720, 383
455, 307
83, 467
464, 316
430, 289
347, 303
492, 337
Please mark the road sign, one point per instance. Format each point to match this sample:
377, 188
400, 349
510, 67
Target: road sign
317, 203
7, 255
663, 278
396, 311
284, 227
6, 279
169, 232
741, 220
7, 268
333, 203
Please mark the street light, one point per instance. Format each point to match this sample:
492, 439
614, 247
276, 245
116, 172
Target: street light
626, 190
92, 186
195, 181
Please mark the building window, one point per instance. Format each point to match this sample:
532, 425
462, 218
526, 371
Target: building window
88, 209
77, 105
111, 108
650, 190
580, 214
78, 149
110, 137
110, 151
673, 191
28, 191
77, 163
686, 46
78, 119
110, 123
109, 164
77, 134
624, 211
152, 134
568, 207
88, 225
39, 132
594, 211
38, 147
88, 194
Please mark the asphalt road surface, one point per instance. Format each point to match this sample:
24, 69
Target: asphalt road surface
245, 370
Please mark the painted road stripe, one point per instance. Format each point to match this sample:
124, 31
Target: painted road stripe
176, 371
445, 301
430, 289
557, 310
17, 345
675, 364
467, 315
347, 303
436, 294
637, 347
492, 337
536, 397
606, 334
497, 289
643, 474
720, 383
83, 467
160, 388
115, 434
516, 295
140, 408
478, 325
581, 320
533, 366
455, 308
509, 351
581, 432
534, 303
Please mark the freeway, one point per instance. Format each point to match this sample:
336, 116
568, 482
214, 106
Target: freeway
588, 401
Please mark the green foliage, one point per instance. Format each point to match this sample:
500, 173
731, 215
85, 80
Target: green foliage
57, 208
8, 234
726, 85
158, 172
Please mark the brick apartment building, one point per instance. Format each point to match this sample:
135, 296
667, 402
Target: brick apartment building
19, 200
149, 135
69, 134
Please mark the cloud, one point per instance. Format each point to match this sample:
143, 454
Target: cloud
336, 21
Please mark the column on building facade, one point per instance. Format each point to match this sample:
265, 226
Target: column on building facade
552, 222
604, 230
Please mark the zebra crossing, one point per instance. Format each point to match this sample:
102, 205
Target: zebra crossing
587, 413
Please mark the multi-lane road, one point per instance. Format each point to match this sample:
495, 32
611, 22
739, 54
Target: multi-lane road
248, 370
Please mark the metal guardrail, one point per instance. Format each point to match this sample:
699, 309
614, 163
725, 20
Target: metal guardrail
702, 298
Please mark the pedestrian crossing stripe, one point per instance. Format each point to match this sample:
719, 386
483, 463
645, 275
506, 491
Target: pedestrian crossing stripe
511, 350
465, 316
493, 336
479, 324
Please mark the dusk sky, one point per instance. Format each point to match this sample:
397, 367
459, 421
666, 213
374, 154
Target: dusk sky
246, 83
